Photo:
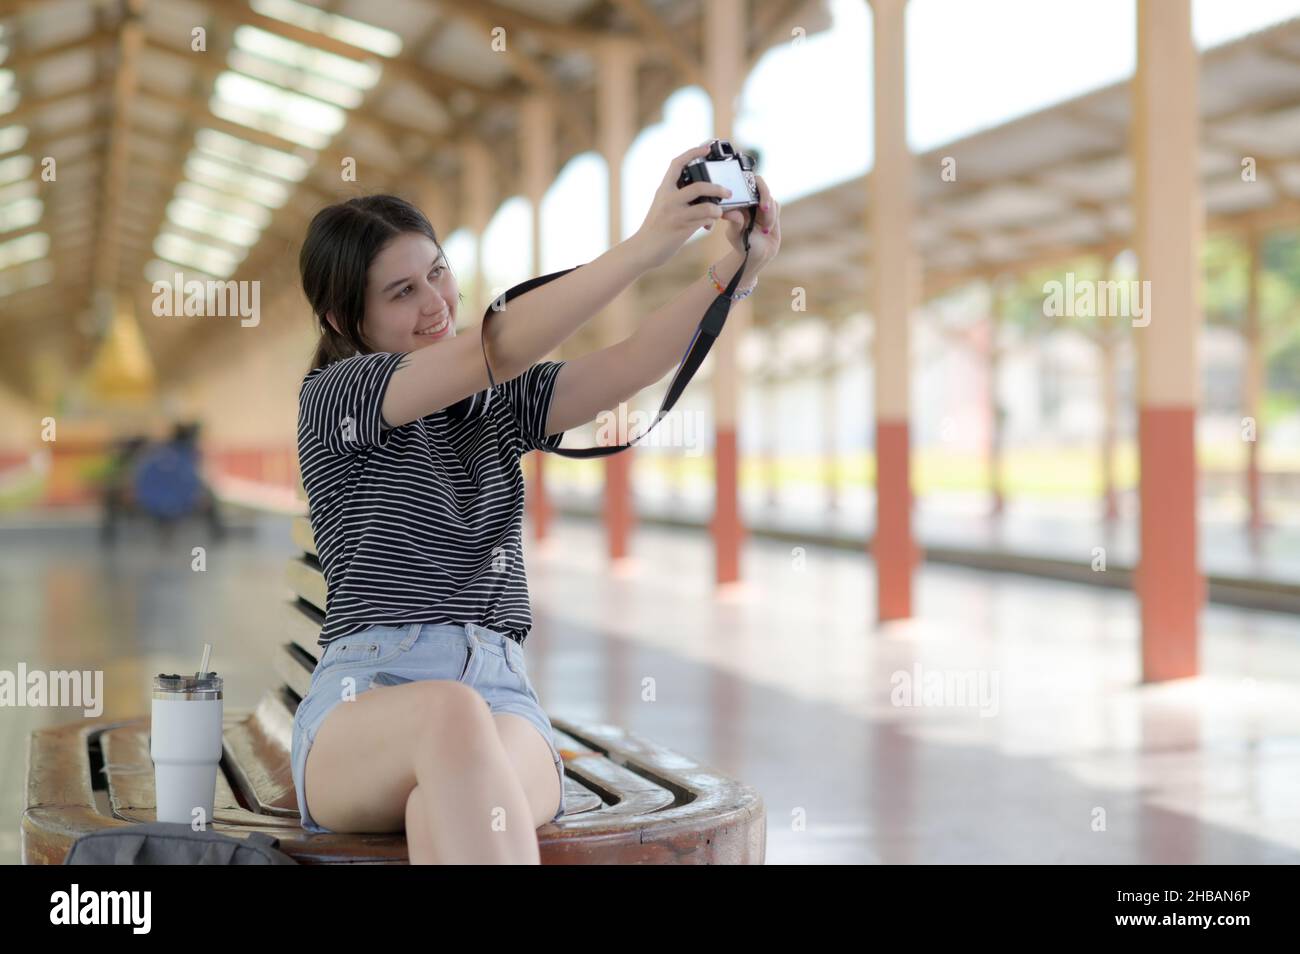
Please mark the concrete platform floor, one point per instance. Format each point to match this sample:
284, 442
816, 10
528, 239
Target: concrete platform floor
1056, 753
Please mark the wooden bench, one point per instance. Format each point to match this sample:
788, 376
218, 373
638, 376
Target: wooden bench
629, 801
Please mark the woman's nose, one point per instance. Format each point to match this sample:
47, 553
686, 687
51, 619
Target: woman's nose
433, 302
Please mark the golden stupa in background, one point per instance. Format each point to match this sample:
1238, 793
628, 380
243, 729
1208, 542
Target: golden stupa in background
121, 373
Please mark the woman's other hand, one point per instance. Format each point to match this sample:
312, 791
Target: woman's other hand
765, 240
672, 219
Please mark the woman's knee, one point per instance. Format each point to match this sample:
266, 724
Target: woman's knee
453, 721
355, 785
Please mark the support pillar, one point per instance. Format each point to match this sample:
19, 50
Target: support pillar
724, 72
615, 115
1170, 220
537, 134
894, 284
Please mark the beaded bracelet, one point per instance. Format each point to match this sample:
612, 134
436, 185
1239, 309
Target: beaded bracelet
722, 288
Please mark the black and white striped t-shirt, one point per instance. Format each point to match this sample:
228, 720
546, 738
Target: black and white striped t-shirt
421, 522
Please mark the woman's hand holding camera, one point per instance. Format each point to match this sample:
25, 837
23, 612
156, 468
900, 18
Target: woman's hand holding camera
672, 220
764, 241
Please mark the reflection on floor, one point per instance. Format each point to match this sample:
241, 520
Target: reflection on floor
1026, 736
1005, 723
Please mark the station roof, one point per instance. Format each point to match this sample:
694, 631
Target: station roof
216, 159
1049, 186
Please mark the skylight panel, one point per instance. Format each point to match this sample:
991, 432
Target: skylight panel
375, 39
272, 161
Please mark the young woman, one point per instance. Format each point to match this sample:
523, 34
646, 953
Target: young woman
420, 714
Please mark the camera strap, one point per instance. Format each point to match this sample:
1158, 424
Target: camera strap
709, 329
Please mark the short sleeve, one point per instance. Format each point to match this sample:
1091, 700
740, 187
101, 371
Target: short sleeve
529, 397
340, 404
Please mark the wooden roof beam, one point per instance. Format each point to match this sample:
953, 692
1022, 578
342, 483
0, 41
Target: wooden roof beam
404, 65
532, 72
773, 23
126, 81
282, 235
211, 66
656, 35
24, 59
298, 227
28, 107
565, 35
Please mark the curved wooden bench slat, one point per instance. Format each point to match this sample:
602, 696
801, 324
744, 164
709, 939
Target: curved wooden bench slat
257, 751
715, 819
307, 582
302, 535
289, 667
618, 790
302, 626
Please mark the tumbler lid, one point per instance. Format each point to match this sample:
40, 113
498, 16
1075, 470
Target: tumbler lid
205, 685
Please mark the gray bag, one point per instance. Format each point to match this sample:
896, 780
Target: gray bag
173, 843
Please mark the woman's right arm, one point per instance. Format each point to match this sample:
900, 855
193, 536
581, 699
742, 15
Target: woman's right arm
521, 334
534, 324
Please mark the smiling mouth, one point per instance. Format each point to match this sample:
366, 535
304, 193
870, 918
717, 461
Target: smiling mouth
437, 328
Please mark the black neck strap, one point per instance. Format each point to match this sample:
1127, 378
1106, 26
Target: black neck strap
709, 329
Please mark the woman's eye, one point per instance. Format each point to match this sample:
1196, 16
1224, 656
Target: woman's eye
436, 271
402, 293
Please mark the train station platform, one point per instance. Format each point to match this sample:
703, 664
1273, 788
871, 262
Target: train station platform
1006, 722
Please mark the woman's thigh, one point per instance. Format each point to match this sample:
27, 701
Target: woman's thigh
384, 697
362, 765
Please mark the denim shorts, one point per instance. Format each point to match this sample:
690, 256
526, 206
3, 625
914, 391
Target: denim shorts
491, 662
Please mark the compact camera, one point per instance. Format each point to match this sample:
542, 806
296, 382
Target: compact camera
727, 167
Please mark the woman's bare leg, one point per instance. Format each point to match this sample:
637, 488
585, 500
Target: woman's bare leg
434, 739
419, 840
480, 816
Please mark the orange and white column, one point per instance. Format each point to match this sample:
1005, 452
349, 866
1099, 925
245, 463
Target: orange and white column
894, 286
1170, 219
615, 117
537, 134
724, 71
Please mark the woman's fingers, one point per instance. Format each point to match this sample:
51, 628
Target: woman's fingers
697, 189
768, 218
704, 212
706, 220
766, 204
677, 165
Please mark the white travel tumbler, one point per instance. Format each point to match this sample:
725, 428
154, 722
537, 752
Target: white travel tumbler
185, 744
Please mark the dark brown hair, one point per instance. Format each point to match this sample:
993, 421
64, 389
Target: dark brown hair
342, 241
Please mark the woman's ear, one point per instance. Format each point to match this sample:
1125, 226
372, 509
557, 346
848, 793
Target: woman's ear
329, 316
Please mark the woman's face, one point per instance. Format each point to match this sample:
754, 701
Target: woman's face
411, 296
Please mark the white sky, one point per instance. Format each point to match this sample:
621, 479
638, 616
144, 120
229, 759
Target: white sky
806, 107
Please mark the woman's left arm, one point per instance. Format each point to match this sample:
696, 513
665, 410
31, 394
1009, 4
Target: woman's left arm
601, 380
